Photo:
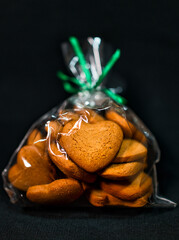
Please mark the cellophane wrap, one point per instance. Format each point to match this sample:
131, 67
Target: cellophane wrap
88, 151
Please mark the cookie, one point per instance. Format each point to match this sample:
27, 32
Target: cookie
130, 150
140, 137
59, 192
95, 117
32, 156
24, 178
91, 115
68, 167
122, 171
37, 139
139, 202
127, 127
100, 198
97, 197
130, 131
91, 146
128, 190
53, 128
32, 168
66, 116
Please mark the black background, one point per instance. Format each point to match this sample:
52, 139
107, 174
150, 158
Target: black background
147, 33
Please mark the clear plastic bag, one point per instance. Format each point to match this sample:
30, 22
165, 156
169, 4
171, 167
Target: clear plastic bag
89, 149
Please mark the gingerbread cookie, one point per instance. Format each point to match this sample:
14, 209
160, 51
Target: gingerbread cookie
91, 146
37, 139
32, 156
140, 137
97, 197
61, 191
139, 202
92, 116
53, 128
131, 150
66, 116
122, 171
127, 127
68, 167
24, 178
130, 131
128, 190
33, 167
100, 198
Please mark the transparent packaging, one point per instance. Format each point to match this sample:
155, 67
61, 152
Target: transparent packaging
90, 150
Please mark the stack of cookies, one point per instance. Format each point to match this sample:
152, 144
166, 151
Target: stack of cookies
101, 155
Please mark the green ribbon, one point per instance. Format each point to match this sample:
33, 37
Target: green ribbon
77, 49
88, 86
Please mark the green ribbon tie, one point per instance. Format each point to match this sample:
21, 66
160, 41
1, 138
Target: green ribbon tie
88, 86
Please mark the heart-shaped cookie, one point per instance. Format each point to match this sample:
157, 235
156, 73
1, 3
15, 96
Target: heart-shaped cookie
100, 198
130, 150
61, 191
69, 168
122, 171
128, 190
91, 146
33, 167
37, 139
127, 127
66, 116
88, 114
130, 131
53, 129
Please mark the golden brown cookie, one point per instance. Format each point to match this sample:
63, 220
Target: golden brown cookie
100, 198
95, 117
32, 156
37, 139
61, 191
97, 197
130, 150
68, 167
24, 178
127, 127
130, 131
91, 146
139, 202
128, 190
140, 137
92, 116
121, 171
66, 116
33, 167
53, 128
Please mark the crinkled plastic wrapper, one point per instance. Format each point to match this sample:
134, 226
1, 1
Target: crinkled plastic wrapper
87, 151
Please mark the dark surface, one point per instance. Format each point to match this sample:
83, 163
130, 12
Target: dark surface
30, 37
